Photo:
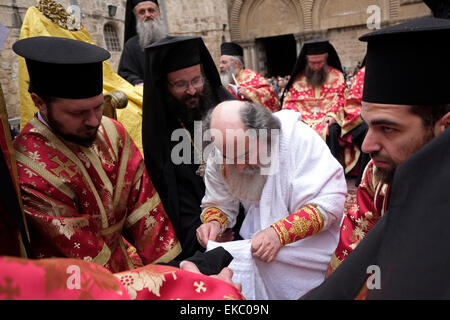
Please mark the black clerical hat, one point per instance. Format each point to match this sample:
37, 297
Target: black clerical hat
178, 52
134, 3
408, 63
231, 49
316, 46
63, 68
130, 18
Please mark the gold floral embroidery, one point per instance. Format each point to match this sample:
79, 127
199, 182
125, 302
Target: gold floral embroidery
151, 280
216, 214
298, 225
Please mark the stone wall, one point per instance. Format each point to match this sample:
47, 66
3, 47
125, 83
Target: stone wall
205, 18
11, 18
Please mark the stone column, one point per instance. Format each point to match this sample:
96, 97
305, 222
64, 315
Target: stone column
249, 53
299, 40
162, 4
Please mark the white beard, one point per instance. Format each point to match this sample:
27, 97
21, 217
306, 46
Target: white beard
247, 185
150, 31
227, 75
226, 78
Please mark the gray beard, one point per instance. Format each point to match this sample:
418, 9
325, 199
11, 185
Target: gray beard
247, 185
316, 78
150, 31
227, 76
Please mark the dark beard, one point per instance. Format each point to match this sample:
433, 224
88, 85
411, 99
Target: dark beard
316, 78
56, 127
179, 110
387, 175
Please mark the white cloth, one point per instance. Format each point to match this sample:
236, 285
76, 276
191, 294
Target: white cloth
308, 174
243, 262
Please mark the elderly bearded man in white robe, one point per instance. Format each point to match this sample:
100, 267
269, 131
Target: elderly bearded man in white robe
293, 191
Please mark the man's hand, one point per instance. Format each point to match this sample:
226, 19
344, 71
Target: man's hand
242, 93
208, 231
328, 120
225, 275
265, 245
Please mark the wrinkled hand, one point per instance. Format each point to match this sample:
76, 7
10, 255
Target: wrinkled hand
208, 231
265, 245
225, 275
328, 120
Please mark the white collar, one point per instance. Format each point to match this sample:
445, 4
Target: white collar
42, 119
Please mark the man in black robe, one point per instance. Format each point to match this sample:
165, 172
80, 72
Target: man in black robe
143, 26
181, 84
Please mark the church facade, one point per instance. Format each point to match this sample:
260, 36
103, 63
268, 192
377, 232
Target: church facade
270, 31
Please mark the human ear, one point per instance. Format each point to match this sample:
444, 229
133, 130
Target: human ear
442, 124
38, 101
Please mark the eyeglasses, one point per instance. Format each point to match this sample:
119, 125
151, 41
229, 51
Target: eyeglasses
182, 86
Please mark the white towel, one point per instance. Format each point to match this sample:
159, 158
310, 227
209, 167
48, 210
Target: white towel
244, 268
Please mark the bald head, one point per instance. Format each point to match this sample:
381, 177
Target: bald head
227, 115
236, 127
228, 129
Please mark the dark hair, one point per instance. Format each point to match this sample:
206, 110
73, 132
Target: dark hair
47, 99
430, 115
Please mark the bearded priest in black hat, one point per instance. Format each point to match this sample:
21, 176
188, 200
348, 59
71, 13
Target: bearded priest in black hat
80, 173
317, 90
399, 223
143, 26
243, 83
181, 86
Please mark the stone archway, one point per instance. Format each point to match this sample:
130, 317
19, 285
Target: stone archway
256, 19
266, 18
